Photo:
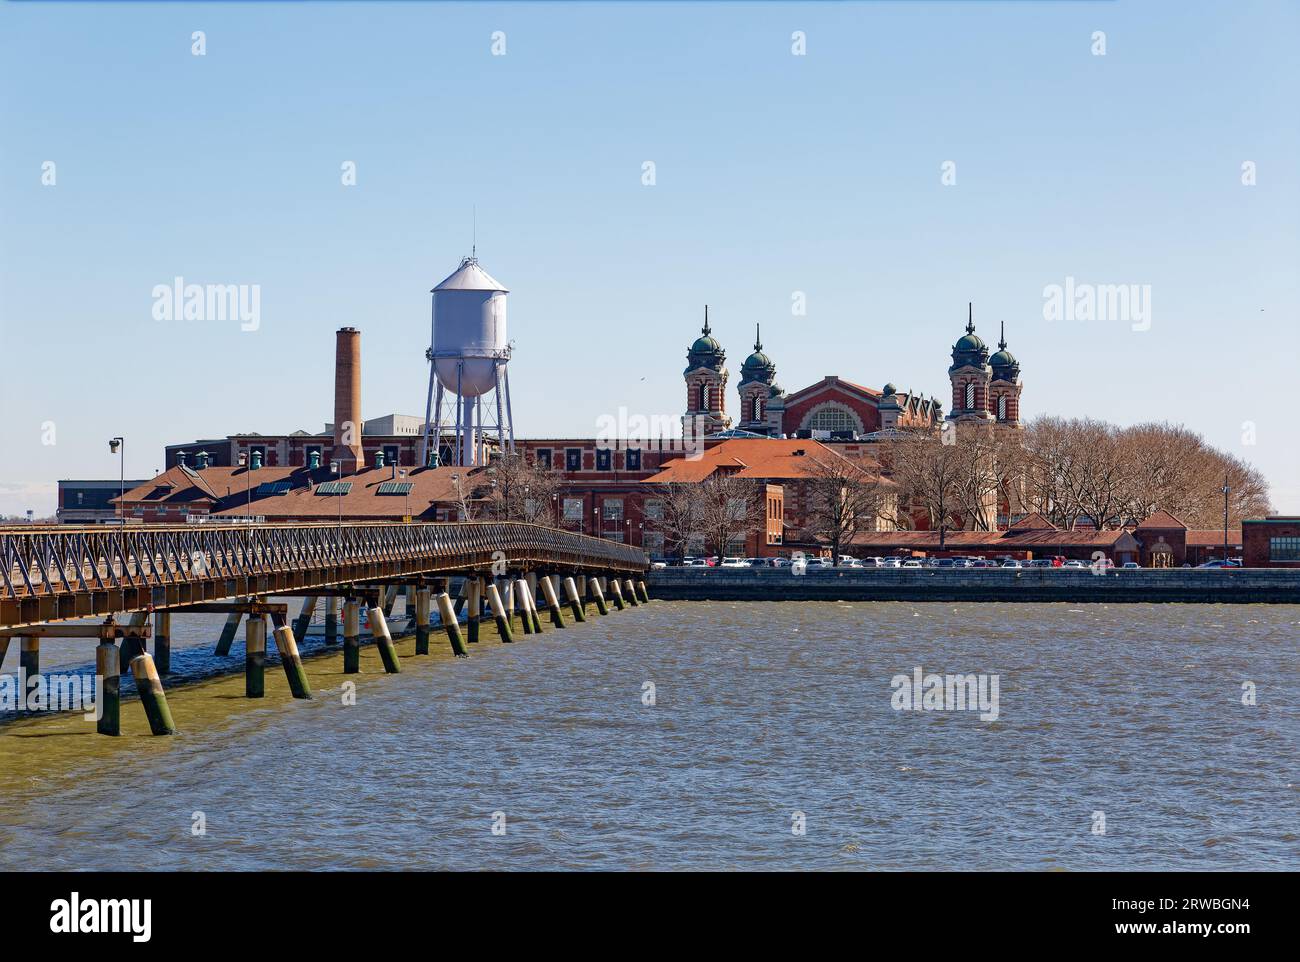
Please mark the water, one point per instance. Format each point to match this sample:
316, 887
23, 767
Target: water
762, 710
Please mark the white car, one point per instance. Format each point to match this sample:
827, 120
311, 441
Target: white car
658, 564
1074, 564
891, 562
736, 563
1012, 564
912, 563
780, 562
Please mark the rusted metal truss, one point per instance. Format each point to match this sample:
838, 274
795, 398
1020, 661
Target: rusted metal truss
51, 574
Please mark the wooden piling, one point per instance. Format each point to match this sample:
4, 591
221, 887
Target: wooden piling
152, 696
162, 641
228, 634
331, 621
599, 596
29, 664
552, 602
631, 593
474, 602
255, 657
447, 612
499, 613
384, 641
531, 580
287, 645
616, 593
303, 621
422, 620
575, 600
351, 637
109, 681
645, 595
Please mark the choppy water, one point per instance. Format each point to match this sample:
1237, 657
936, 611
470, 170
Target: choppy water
762, 710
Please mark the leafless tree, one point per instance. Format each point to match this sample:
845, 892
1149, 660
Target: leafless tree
681, 515
730, 508
521, 490
844, 497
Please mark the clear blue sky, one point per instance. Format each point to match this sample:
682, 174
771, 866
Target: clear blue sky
775, 174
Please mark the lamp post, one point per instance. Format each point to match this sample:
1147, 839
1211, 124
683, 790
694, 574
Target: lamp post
1226, 489
118, 446
335, 468
248, 489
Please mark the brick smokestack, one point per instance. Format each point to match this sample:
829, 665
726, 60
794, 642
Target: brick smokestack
347, 401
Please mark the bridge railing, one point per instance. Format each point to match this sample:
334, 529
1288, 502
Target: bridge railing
48, 560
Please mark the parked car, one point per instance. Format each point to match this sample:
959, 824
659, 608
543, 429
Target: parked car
1074, 563
736, 563
780, 562
1012, 563
659, 564
1040, 563
1216, 563
1130, 565
912, 563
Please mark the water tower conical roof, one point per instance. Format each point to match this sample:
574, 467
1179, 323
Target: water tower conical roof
470, 277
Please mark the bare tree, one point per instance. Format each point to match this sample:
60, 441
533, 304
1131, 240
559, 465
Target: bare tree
681, 515
929, 474
844, 497
522, 490
730, 507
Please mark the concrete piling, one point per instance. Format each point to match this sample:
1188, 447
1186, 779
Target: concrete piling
109, 681
351, 636
474, 599
152, 697
631, 593
552, 602
292, 662
162, 641
507, 591
575, 600
499, 613
29, 663
598, 595
132, 645
384, 641
521, 602
645, 595
303, 621
422, 620
331, 621
255, 657
616, 593
228, 634
447, 612
531, 580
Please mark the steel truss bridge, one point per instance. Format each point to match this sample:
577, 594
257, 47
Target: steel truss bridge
56, 573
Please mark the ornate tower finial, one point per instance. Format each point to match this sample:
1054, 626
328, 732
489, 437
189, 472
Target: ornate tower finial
1002, 344
706, 319
758, 340
970, 318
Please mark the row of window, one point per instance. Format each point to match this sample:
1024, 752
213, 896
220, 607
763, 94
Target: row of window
611, 509
604, 459
970, 401
1284, 549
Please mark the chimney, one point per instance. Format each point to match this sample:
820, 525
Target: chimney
347, 401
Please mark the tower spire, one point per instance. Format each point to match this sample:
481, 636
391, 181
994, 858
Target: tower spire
970, 318
1002, 344
758, 340
706, 319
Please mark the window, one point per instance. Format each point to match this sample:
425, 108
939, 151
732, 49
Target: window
632, 459
544, 458
758, 410
654, 509
653, 543
573, 459
611, 509
572, 509
704, 398
390, 454
602, 459
1284, 549
1002, 408
832, 419
970, 395
612, 535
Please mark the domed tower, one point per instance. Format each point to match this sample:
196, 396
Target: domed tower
1004, 389
757, 384
970, 375
706, 385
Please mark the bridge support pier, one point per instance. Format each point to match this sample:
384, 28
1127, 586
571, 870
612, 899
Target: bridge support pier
351, 637
292, 662
449, 623
599, 595
152, 697
331, 620
303, 621
162, 641
422, 620
575, 600
29, 664
474, 601
255, 657
616, 593
228, 634
499, 613
384, 641
109, 682
552, 601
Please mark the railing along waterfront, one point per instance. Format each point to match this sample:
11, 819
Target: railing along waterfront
52, 573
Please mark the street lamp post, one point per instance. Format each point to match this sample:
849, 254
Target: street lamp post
118, 446
1226, 489
248, 489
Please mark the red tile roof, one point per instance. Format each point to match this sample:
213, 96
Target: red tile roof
1032, 522
760, 458
1209, 537
1161, 520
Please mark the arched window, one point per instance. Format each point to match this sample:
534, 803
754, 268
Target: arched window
970, 395
704, 397
832, 419
1002, 408
758, 409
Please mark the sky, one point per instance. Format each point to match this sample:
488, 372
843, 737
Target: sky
912, 158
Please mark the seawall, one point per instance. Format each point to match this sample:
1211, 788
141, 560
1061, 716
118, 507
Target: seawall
1184, 585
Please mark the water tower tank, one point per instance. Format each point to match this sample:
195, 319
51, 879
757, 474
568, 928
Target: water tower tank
469, 330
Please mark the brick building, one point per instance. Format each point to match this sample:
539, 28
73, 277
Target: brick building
1272, 542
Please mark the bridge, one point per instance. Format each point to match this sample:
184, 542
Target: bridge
52, 575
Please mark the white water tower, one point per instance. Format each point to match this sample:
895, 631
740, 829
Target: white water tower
467, 362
